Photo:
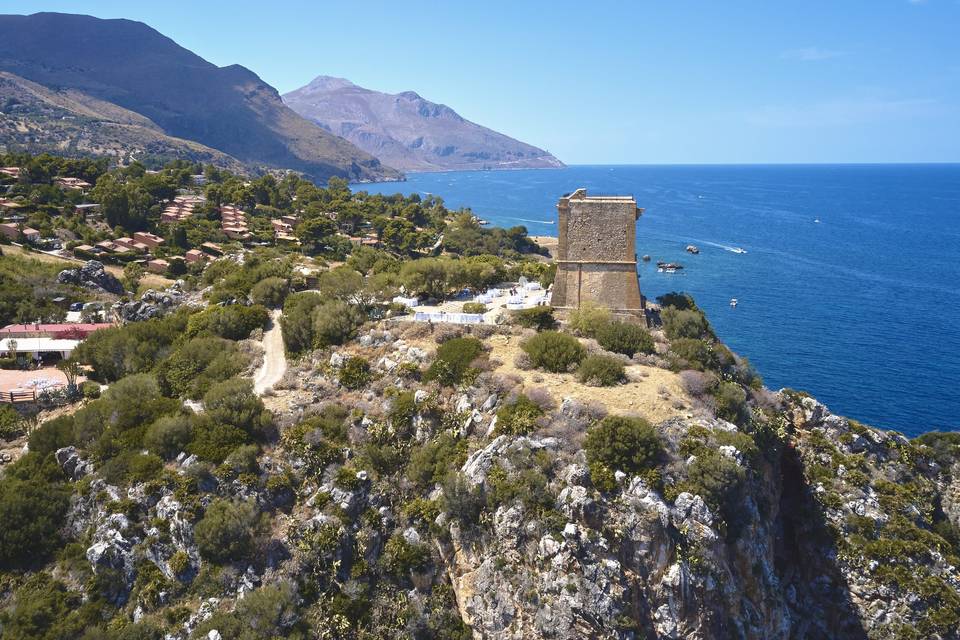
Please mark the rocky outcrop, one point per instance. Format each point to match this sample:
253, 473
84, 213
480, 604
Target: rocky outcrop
635, 564
152, 304
72, 464
93, 276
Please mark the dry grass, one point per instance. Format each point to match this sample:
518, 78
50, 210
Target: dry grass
656, 394
149, 280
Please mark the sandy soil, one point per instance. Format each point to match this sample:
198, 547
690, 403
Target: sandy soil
274, 359
16, 379
653, 393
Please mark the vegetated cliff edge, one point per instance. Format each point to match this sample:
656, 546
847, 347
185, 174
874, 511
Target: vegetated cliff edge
135, 68
409, 132
422, 485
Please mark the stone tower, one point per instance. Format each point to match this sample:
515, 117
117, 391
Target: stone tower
596, 256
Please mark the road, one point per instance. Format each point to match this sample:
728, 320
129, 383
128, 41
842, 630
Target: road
274, 358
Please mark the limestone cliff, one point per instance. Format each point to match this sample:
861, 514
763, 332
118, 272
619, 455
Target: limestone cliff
393, 506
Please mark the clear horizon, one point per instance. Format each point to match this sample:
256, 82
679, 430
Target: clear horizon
819, 83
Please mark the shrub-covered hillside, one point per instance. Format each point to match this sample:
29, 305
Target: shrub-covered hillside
534, 479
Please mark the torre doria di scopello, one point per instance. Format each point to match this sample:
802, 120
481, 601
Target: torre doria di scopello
596, 255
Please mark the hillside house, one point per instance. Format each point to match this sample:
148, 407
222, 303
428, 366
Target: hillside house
14, 232
212, 249
149, 239
158, 265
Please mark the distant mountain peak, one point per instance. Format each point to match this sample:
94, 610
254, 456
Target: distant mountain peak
329, 83
409, 132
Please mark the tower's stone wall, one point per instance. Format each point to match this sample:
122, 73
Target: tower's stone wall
596, 255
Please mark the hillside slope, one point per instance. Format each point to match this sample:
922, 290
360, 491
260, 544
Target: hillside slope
132, 66
36, 119
409, 132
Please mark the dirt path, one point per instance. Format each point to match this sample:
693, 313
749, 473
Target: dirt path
274, 359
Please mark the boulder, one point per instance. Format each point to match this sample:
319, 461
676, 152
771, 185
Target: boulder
72, 464
93, 276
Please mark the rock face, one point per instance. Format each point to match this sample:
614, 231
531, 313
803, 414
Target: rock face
183, 96
409, 132
92, 276
633, 565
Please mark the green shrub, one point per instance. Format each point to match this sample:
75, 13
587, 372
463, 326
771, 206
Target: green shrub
700, 354
233, 402
233, 416
620, 443
355, 373
401, 557
403, 409
43, 608
681, 301
601, 371
226, 531
297, 320
474, 307
718, 480
431, 462
625, 338
318, 439
589, 319
732, 403
32, 513
133, 348
12, 424
243, 460
270, 292
233, 322
684, 323
518, 417
453, 360
214, 441
554, 351
539, 318
335, 322
179, 562
272, 611
199, 363
130, 468
90, 389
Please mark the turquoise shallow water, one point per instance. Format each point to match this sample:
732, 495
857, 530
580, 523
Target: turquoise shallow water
862, 308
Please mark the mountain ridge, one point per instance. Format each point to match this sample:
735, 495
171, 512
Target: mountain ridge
230, 109
410, 132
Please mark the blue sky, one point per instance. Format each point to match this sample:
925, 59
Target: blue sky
673, 81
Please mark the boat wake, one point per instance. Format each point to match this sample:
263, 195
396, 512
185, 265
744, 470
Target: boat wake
725, 247
533, 221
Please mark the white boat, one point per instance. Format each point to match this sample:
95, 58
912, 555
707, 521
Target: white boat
738, 250
733, 302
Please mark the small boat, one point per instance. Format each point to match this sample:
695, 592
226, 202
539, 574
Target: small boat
733, 302
668, 267
692, 248
817, 220
738, 250
646, 258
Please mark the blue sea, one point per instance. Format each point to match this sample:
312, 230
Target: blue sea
849, 288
